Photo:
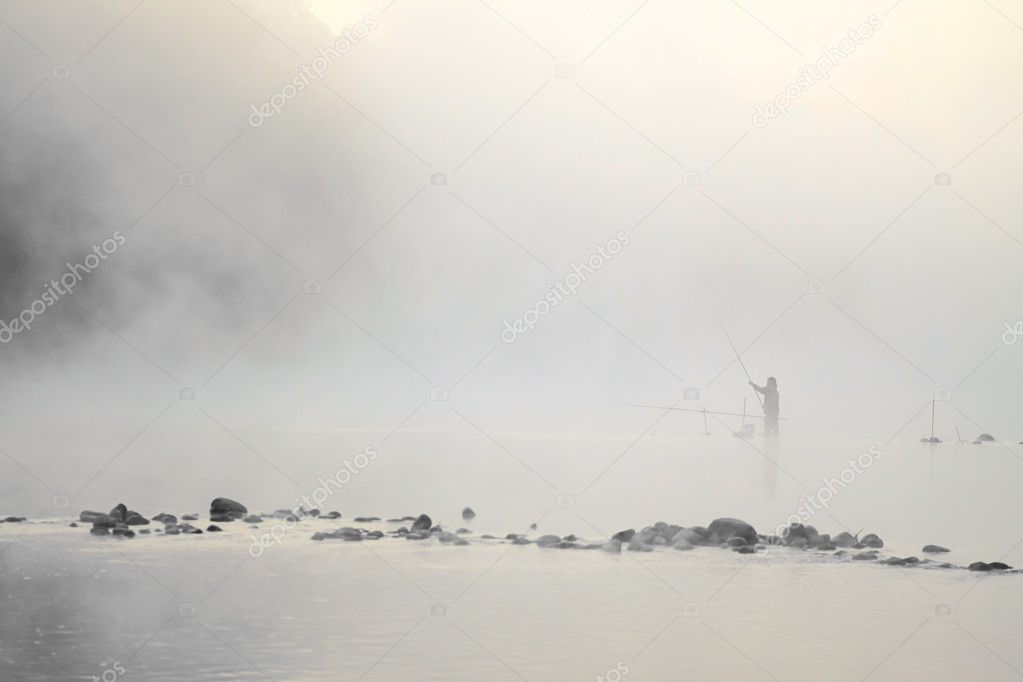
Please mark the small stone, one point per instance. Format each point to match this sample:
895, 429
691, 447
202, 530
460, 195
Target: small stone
871, 540
624, 535
123, 532
213, 529
99, 530
548, 540
422, 523
934, 549
468, 514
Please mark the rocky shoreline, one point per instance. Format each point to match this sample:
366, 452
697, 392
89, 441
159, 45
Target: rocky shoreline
725, 533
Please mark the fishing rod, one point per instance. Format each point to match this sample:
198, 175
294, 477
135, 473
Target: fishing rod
739, 358
689, 409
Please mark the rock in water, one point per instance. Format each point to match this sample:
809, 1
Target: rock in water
103, 521
934, 549
468, 514
548, 540
120, 512
993, 566
99, 530
624, 535
986, 438
681, 543
164, 518
222, 505
844, 539
213, 529
136, 519
422, 523
871, 540
14, 519
123, 532
723, 529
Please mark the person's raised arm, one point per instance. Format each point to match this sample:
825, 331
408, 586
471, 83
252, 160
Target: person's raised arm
756, 388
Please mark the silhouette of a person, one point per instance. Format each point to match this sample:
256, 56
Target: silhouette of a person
770, 393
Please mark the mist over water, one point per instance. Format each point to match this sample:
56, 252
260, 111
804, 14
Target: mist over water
422, 177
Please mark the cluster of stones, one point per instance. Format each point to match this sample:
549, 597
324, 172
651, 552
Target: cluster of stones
125, 523
727, 533
743, 538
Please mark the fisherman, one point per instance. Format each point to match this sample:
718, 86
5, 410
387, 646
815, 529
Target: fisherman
770, 393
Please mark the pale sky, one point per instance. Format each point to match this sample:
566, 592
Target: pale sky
458, 160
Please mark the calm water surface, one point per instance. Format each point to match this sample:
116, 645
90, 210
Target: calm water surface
73, 606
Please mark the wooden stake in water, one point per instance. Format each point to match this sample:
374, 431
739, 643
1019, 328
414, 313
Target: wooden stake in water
932, 419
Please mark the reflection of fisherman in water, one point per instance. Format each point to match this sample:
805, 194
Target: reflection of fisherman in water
770, 393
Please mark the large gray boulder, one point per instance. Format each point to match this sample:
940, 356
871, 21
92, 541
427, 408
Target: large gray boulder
721, 530
223, 506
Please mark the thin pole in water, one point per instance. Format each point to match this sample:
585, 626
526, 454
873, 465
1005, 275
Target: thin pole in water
705, 431
932, 418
